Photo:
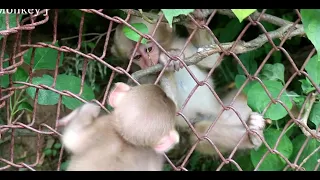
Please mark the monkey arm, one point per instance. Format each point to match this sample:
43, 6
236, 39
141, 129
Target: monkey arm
168, 84
229, 130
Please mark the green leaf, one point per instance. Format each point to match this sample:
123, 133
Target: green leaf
272, 162
273, 72
295, 41
298, 99
20, 75
90, 44
241, 14
169, 14
243, 163
313, 69
45, 97
47, 152
64, 165
258, 99
25, 106
4, 80
315, 114
167, 167
12, 20
44, 58
311, 25
312, 144
248, 60
57, 145
306, 86
276, 55
240, 79
54, 152
73, 84
131, 34
288, 17
268, 26
230, 31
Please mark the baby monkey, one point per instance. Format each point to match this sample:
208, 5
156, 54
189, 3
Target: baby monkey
133, 137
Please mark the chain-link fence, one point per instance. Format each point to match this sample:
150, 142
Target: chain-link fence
33, 68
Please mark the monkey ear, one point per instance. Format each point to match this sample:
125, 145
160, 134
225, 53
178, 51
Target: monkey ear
117, 94
167, 142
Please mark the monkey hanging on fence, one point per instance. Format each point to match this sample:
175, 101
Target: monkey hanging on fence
203, 107
132, 138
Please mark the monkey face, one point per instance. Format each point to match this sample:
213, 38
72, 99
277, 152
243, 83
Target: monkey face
147, 55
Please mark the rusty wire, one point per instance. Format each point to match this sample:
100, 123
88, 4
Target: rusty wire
286, 30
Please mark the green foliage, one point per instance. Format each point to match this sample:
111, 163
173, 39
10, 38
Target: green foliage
243, 163
241, 14
52, 151
311, 146
272, 75
258, 99
313, 69
315, 115
96, 73
64, 165
276, 55
311, 25
169, 14
64, 82
25, 106
12, 21
73, 84
230, 31
44, 58
20, 75
248, 60
272, 162
4, 79
306, 86
297, 99
273, 72
199, 162
45, 97
240, 79
131, 34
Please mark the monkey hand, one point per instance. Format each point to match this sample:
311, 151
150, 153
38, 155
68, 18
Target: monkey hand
256, 123
174, 65
84, 115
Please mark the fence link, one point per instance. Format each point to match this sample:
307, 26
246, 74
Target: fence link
29, 133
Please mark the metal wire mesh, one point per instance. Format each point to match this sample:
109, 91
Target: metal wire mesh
10, 130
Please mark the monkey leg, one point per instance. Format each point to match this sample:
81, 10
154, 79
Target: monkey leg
227, 133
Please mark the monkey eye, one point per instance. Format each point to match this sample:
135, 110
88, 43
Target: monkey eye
149, 49
137, 57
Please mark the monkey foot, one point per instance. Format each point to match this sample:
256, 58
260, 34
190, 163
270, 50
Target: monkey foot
173, 65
